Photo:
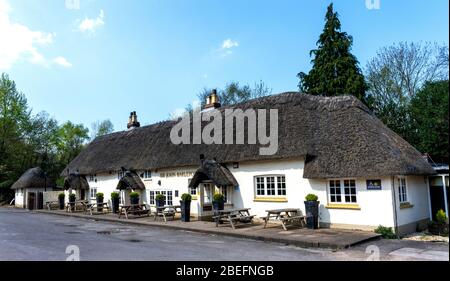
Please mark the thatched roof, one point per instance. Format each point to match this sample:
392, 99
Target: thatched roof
130, 180
33, 178
76, 181
218, 174
339, 136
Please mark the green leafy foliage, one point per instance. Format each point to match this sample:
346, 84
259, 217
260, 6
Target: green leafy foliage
134, 195
160, 197
441, 217
115, 195
100, 196
311, 197
61, 196
72, 196
335, 69
386, 232
186, 197
218, 197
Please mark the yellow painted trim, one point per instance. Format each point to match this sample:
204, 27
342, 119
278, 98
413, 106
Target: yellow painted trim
344, 206
270, 199
406, 205
194, 197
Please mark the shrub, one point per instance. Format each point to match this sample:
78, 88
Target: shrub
186, 197
160, 197
219, 197
61, 196
441, 217
115, 195
72, 196
134, 194
100, 196
311, 197
386, 232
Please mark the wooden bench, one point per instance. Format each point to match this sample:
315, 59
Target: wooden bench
136, 210
233, 217
287, 217
51, 204
95, 206
167, 212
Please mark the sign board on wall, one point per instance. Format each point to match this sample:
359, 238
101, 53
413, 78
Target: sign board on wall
373, 184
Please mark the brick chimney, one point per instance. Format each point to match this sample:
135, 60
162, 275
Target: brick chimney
212, 100
132, 121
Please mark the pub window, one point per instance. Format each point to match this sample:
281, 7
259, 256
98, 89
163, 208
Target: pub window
119, 175
147, 174
224, 192
402, 191
270, 186
93, 193
342, 191
168, 194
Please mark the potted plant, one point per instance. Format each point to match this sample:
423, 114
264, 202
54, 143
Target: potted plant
134, 198
61, 198
185, 207
218, 204
115, 199
160, 199
440, 226
312, 211
100, 197
72, 198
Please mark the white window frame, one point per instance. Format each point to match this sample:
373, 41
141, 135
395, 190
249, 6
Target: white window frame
169, 194
147, 174
275, 191
402, 189
342, 193
120, 175
92, 193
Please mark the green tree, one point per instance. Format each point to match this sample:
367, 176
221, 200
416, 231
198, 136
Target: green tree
335, 69
234, 93
429, 110
71, 140
101, 128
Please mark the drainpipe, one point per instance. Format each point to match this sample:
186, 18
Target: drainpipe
429, 199
394, 202
445, 194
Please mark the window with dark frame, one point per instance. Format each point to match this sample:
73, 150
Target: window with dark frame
402, 191
343, 188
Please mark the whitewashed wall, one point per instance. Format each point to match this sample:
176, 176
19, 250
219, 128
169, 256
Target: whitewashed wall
19, 198
417, 193
376, 206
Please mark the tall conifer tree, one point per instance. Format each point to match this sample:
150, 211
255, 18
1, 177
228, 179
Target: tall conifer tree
335, 70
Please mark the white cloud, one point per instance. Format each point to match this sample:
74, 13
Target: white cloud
90, 25
22, 43
229, 44
62, 61
227, 47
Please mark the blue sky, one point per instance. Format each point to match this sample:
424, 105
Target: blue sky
110, 57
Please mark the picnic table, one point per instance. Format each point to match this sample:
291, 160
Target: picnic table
135, 209
233, 216
167, 211
91, 207
50, 204
78, 203
288, 216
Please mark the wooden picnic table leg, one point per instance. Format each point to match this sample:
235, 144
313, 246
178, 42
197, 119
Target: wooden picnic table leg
267, 219
231, 222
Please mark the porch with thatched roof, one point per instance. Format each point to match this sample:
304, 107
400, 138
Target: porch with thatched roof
33, 178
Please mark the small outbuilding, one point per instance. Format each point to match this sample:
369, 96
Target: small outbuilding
30, 188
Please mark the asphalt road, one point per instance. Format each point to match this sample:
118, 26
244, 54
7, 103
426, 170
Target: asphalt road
32, 236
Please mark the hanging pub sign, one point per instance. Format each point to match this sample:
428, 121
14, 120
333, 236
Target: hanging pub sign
373, 184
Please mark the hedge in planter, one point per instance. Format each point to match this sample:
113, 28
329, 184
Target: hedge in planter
134, 198
61, 198
440, 226
115, 199
160, 200
312, 211
72, 199
100, 196
218, 203
185, 202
